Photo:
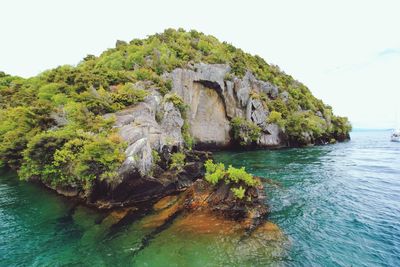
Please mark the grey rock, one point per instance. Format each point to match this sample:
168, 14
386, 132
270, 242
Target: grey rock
259, 114
285, 96
271, 137
243, 89
138, 127
265, 87
204, 92
212, 102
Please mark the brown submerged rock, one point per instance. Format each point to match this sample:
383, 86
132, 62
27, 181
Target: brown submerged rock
209, 209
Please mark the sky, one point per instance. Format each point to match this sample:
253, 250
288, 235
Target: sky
346, 52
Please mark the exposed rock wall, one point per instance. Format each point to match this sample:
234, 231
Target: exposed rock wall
155, 125
139, 128
214, 98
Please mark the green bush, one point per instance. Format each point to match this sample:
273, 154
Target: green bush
66, 157
216, 172
156, 156
165, 86
236, 175
238, 192
177, 161
244, 131
340, 128
276, 117
279, 106
17, 126
299, 124
187, 138
178, 103
100, 158
125, 95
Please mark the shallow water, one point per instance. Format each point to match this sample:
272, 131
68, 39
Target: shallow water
337, 205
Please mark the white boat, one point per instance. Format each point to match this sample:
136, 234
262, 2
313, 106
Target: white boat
395, 136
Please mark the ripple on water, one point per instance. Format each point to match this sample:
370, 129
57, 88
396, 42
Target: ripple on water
336, 205
339, 204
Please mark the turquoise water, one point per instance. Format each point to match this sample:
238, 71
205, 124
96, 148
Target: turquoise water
337, 205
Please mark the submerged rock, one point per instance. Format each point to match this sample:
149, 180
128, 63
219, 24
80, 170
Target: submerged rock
215, 203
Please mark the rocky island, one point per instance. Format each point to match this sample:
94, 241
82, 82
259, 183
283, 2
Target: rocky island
134, 128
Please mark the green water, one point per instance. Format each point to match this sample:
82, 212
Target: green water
337, 205
39, 228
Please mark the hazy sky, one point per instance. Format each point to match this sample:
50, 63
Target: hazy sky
346, 52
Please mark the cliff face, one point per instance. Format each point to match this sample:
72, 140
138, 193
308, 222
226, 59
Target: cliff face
155, 126
214, 101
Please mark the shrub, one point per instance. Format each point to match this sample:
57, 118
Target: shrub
49, 90
244, 131
276, 117
216, 173
238, 192
67, 157
187, 138
204, 46
144, 74
100, 158
17, 126
299, 124
156, 157
177, 161
165, 86
240, 175
39, 155
126, 95
178, 103
340, 127
279, 106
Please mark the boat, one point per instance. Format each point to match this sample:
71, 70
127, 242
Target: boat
395, 136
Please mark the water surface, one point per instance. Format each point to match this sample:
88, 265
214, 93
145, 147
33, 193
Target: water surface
337, 205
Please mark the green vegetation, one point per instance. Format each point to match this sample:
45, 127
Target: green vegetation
177, 161
187, 137
244, 131
216, 173
236, 175
156, 156
276, 117
304, 118
54, 121
238, 192
178, 103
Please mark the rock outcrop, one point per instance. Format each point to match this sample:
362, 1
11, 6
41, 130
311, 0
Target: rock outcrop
170, 105
214, 98
143, 133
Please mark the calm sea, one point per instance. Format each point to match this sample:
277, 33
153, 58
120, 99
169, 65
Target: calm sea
337, 205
